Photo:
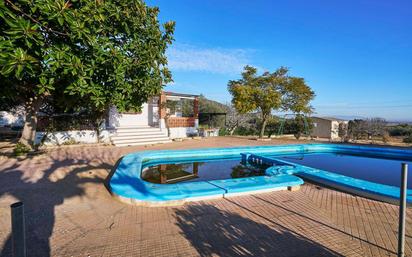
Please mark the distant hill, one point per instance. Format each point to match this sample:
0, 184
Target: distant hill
205, 106
353, 117
394, 123
349, 117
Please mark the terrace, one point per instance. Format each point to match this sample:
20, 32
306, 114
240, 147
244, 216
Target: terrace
70, 213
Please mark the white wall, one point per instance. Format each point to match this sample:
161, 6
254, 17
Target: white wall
209, 133
326, 128
12, 118
335, 129
78, 136
182, 132
117, 119
322, 128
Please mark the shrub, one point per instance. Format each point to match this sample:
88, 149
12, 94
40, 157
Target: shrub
223, 132
401, 130
386, 137
246, 131
71, 141
21, 149
408, 139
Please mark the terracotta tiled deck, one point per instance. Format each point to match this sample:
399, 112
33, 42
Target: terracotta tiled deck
70, 213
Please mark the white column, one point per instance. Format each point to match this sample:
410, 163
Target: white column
162, 124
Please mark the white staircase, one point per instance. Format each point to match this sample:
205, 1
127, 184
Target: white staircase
139, 135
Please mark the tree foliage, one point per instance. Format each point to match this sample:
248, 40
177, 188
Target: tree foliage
235, 119
401, 130
408, 139
367, 128
81, 54
343, 131
298, 125
356, 129
376, 127
276, 91
301, 125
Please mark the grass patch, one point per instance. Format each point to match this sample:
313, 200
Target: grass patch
70, 142
21, 149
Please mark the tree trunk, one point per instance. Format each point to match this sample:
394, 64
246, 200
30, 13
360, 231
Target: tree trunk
262, 129
232, 130
167, 126
28, 134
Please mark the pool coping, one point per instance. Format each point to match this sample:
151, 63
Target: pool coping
126, 184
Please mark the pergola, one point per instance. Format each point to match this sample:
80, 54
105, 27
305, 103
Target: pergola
207, 116
174, 122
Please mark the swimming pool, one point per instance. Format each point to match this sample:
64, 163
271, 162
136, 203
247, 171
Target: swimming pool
174, 177
379, 170
204, 170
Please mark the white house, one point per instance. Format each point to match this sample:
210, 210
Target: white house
149, 125
145, 127
327, 127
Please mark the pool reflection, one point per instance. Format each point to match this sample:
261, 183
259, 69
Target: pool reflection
200, 171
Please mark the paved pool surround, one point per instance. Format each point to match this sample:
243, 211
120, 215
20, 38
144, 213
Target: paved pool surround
127, 185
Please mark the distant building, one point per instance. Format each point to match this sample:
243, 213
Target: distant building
327, 127
149, 125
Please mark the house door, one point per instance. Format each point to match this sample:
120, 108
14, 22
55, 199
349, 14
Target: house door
153, 112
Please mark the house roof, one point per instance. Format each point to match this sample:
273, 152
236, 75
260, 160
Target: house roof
168, 93
329, 118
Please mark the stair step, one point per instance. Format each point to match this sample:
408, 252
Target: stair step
133, 133
150, 142
137, 137
140, 128
138, 131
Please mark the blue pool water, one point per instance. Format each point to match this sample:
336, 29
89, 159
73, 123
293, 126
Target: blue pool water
195, 174
373, 169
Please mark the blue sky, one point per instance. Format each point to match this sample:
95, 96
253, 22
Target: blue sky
356, 55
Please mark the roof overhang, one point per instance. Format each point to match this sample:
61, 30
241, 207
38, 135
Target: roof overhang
177, 96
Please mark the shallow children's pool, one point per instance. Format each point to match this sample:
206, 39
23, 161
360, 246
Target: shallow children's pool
367, 167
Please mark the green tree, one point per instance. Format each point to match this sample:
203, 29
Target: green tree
357, 129
376, 127
343, 131
80, 55
301, 125
277, 91
273, 125
235, 119
400, 130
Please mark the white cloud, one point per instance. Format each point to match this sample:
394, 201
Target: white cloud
182, 57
